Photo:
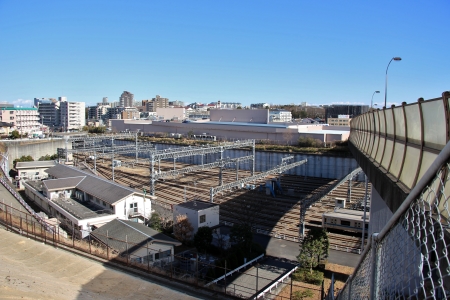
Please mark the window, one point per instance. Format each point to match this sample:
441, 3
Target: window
11, 118
104, 203
345, 223
133, 206
202, 219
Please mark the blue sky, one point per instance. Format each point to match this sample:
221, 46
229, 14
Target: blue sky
277, 52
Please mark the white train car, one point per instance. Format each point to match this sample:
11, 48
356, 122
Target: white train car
204, 137
345, 219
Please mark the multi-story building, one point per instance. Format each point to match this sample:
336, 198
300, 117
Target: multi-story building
157, 102
99, 112
334, 110
341, 120
48, 111
24, 120
72, 115
176, 103
280, 116
259, 105
126, 99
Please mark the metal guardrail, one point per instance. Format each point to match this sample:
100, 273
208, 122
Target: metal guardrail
275, 284
409, 258
234, 271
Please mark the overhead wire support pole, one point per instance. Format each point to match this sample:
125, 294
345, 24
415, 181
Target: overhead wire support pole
240, 182
254, 158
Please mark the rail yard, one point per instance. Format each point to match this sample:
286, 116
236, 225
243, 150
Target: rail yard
278, 216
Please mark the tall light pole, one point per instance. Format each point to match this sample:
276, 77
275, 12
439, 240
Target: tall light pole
371, 101
385, 86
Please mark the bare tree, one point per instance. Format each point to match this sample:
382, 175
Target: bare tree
182, 229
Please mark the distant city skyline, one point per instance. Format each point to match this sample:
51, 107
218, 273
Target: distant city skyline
320, 52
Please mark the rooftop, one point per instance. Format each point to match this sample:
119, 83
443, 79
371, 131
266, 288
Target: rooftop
100, 188
197, 205
80, 210
118, 231
35, 164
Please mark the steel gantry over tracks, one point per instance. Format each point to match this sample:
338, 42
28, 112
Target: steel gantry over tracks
157, 156
241, 182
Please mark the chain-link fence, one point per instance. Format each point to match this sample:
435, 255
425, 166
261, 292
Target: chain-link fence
409, 258
189, 266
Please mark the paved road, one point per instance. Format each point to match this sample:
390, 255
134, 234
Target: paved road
32, 270
289, 250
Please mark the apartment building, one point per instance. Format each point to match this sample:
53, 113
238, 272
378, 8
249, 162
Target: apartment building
48, 110
126, 99
157, 102
280, 116
24, 120
72, 115
341, 120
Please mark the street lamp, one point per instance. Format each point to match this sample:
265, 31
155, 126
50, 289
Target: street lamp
371, 101
385, 87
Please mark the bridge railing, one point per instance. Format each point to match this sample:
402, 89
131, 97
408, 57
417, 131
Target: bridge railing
403, 141
409, 258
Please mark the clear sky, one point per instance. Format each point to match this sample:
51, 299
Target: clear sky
278, 52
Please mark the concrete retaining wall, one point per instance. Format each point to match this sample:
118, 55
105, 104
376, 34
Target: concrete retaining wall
34, 148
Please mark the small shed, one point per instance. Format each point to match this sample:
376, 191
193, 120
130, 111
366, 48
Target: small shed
199, 213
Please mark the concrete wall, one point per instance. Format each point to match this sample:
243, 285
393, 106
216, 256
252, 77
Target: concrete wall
334, 167
278, 134
35, 148
240, 115
169, 113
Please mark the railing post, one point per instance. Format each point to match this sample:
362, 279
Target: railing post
375, 272
350, 287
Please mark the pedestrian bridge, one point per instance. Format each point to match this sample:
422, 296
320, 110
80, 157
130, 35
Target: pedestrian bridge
405, 153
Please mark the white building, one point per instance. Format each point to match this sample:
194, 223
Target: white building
32, 170
171, 113
72, 115
280, 116
83, 202
198, 213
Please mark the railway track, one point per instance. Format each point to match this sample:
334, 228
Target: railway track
278, 216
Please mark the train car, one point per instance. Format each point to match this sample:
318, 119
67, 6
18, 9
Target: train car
204, 137
345, 219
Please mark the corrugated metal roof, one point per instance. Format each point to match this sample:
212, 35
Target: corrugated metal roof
68, 183
100, 188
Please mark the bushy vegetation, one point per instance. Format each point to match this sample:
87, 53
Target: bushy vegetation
49, 157
301, 295
304, 275
309, 142
93, 129
22, 159
14, 135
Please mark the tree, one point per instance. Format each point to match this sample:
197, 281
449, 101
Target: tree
241, 234
22, 159
321, 235
301, 295
314, 245
203, 238
14, 135
182, 229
